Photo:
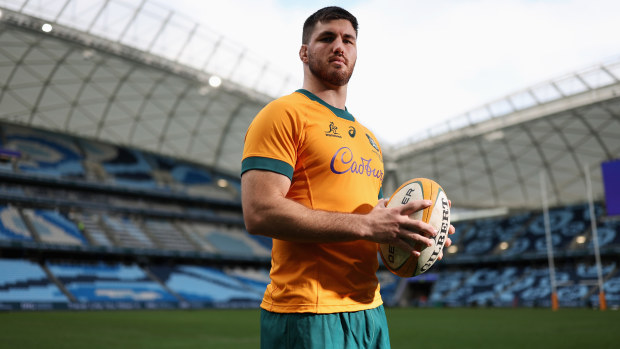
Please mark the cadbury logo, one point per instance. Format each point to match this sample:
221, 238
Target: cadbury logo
348, 164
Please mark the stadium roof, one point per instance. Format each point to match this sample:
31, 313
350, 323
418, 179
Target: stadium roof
494, 156
138, 74
131, 73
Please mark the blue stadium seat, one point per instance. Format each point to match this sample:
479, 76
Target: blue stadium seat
126, 232
25, 281
446, 288
53, 227
127, 167
608, 234
109, 283
230, 241
12, 227
191, 175
612, 293
167, 235
91, 226
257, 279
45, 153
482, 237
389, 285
228, 245
565, 223
202, 284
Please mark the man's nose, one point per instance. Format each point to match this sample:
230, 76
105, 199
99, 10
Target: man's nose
338, 47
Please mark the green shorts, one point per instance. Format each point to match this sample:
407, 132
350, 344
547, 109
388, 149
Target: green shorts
361, 329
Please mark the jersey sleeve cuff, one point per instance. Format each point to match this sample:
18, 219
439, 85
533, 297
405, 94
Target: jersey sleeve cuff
267, 164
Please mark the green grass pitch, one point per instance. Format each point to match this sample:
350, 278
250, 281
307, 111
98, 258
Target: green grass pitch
409, 328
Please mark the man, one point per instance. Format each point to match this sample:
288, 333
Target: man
311, 179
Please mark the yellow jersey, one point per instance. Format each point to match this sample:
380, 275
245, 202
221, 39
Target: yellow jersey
335, 164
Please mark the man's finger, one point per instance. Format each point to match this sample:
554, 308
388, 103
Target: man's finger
420, 227
451, 230
414, 206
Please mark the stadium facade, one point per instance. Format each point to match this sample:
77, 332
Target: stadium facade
121, 146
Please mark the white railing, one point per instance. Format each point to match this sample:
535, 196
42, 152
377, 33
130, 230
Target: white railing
157, 30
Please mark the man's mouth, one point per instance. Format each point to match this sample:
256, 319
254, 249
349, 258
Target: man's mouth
338, 60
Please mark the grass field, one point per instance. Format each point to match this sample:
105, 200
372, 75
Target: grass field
409, 328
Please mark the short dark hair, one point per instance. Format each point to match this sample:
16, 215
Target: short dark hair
326, 14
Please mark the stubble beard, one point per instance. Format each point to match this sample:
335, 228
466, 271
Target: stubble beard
336, 77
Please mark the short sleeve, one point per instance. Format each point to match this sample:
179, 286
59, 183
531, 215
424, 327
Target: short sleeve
272, 140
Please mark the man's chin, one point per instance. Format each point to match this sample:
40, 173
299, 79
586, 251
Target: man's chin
340, 80
336, 77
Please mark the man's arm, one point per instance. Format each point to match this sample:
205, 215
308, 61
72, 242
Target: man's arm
267, 211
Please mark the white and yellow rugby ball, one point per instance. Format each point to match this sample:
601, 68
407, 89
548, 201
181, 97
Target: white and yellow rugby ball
403, 263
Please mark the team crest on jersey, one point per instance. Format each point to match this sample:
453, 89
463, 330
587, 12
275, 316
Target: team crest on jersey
352, 131
372, 142
333, 131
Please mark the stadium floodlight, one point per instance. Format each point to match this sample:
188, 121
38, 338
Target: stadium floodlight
46, 27
215, 81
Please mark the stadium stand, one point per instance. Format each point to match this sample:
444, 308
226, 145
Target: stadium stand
226, 240
126, 167
608, 234
90, 224
153, 207
485, 236
26, 282
45, 153
162, 223
167, 235
52, 227
209, 286
254, 278
12, 226
126, 232
109, 283
520, 286
612, 292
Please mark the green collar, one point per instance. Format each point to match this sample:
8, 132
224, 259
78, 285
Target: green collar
338, 112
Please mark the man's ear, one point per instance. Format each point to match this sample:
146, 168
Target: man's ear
303, 53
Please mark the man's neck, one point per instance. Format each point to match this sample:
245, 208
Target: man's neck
335, 96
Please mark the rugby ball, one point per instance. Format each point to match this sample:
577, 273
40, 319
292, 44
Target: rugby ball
404, 263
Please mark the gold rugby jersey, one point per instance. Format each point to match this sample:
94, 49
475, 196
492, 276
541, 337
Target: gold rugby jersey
335, 164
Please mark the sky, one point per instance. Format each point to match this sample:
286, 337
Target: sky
422, 62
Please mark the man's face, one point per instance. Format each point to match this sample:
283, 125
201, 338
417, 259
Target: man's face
332, 51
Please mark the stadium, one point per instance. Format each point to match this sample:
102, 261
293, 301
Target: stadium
120, 188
